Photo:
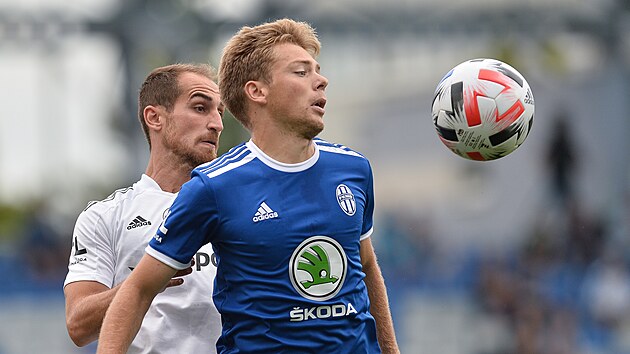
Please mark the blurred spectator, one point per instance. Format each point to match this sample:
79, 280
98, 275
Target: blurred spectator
499, 288
406, 247
561, 159
562, 333
586, 235
529, 325
607, 290
47, 253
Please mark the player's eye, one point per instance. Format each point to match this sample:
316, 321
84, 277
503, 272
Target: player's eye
200, 108
301, 72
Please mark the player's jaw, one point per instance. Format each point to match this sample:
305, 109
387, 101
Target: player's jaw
205, 149
313, 122
193, 151
306, 126
196, 157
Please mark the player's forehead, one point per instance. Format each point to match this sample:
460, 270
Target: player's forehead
287, 54
192, 83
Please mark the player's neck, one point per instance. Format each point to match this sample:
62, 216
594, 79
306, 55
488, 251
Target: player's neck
169, 175
286, 149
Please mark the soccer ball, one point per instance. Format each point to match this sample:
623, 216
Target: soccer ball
483, 109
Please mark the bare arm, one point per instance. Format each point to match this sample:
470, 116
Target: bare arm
124, 316
379, 304
86, 303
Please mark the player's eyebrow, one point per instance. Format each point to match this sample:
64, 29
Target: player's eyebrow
207, 98
202, 95
308, 63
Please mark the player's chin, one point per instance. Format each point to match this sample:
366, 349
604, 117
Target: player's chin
312, 131
318, 125
200, 158
307, 126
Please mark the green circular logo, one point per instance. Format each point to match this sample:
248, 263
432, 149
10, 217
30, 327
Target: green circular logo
318, 268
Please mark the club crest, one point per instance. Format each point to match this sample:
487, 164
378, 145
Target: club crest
345, 198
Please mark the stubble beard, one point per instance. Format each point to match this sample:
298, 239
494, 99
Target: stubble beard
313, 132
307, 128
186, 155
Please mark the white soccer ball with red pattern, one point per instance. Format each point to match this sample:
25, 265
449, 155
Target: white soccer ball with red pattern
483, 109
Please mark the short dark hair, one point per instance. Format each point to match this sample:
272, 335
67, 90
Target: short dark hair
161, 88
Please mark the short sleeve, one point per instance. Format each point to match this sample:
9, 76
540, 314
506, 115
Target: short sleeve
189, 225
92, 257
368, 214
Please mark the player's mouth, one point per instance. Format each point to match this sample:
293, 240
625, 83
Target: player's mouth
210, 142
319, 105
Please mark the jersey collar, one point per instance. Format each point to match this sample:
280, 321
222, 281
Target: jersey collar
149, 183
281, 166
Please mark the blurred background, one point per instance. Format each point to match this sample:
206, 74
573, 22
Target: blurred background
526, 254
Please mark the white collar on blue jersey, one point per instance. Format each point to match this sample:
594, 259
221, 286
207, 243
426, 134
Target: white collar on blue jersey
281, 166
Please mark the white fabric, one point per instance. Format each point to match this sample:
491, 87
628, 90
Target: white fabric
110, 237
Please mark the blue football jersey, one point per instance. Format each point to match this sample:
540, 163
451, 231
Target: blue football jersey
286, 239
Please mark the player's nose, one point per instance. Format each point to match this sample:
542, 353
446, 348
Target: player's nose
215, 122
321, 82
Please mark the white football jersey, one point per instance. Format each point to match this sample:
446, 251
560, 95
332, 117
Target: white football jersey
109, 240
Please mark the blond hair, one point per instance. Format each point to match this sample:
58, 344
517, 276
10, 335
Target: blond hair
249, 55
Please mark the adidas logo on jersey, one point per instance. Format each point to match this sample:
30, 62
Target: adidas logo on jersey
138, 222
264, 213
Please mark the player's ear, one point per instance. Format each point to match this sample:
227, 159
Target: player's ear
152, 117
256, 91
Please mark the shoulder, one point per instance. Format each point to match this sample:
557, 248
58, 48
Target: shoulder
114, 198
98, 219
341, 154
99, 209
236, 157
335, 148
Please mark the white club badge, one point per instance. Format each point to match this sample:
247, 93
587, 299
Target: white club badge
345, 198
